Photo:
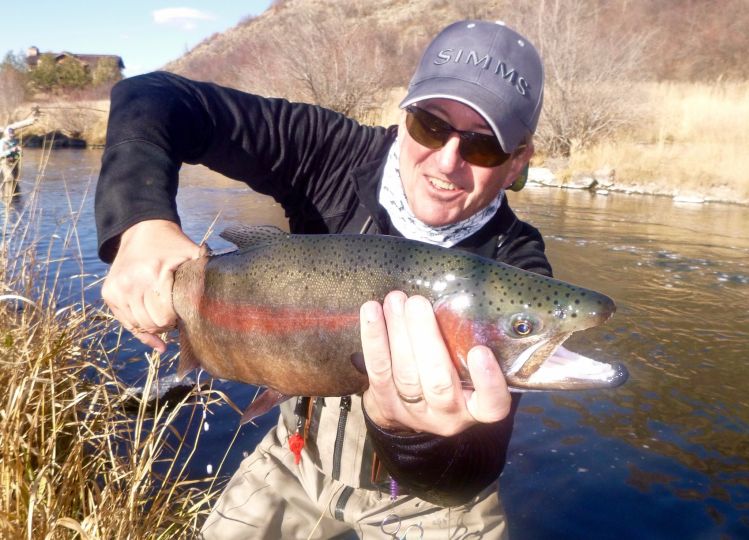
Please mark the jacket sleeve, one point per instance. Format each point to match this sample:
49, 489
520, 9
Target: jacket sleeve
449, 471
525, 250
290, 151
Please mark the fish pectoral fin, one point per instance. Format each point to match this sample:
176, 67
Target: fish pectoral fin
268, 399
245, 236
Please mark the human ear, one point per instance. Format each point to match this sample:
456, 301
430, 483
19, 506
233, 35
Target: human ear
517, 175
520, 180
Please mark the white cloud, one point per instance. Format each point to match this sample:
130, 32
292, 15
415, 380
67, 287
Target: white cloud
182, 17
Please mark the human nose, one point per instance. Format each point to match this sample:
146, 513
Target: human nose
448, 157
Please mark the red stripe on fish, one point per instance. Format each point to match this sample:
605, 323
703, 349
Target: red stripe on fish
272, 320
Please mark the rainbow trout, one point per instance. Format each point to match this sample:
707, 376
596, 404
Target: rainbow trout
282, 311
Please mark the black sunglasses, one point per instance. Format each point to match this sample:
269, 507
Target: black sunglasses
433, 132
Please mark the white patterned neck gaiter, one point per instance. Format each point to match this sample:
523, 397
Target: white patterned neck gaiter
393, 200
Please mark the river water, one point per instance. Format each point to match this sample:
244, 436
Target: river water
664, 456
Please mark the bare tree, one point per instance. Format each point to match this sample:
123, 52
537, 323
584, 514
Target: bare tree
319, 57
591, 72
12, 88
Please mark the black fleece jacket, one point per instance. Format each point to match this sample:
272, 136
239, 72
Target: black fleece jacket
324, 170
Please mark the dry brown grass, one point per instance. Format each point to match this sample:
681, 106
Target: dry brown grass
692, 142
74, 462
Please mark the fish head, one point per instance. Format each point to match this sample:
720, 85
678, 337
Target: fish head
524, 322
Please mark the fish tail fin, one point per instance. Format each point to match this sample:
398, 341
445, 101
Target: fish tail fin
268, 399
187, 359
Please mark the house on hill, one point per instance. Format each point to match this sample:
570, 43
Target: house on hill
88, 61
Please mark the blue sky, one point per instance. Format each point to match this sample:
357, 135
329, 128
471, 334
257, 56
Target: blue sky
146, 34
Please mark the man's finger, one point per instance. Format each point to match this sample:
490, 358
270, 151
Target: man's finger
124, 317
490, 401
158, 302
141, 316
375, 346
405, 370
439, 380
151, 340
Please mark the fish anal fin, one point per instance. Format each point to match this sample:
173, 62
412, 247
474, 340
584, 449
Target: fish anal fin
187, 359
245, 236
268, 399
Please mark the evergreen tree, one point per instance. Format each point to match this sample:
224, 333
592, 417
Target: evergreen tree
107, 71
72, 74
44, 76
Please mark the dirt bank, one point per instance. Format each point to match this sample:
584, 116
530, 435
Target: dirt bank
66, 124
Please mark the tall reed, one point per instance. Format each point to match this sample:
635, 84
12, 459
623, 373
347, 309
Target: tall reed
75, 459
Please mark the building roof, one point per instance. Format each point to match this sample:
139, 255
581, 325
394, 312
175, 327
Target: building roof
33, 55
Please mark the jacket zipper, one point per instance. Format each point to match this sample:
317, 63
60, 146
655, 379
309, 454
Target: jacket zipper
338, 447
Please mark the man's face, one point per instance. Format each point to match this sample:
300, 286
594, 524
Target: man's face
440, 186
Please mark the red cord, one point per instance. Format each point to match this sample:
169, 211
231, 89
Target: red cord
296, 443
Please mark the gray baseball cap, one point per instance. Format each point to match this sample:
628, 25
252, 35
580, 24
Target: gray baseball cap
489, 67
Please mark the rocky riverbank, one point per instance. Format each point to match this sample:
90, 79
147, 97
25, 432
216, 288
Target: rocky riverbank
603, 181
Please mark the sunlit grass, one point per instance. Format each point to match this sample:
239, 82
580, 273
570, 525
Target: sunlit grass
692, 140
77, 458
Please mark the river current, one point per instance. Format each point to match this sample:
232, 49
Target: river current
664, 456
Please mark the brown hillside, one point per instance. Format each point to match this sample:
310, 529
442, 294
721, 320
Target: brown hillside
699, 40
396, 28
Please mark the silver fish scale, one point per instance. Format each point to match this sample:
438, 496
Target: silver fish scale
340, 272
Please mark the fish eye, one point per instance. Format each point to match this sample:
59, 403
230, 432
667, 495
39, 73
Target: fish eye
522, 326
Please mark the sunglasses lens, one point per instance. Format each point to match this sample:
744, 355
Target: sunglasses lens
426, 129
432, 132
482, 150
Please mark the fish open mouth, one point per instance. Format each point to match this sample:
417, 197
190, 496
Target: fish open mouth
546, 365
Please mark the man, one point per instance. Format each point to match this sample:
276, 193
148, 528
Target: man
10, 154
439, 176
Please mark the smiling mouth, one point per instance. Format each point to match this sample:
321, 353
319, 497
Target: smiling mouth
442, 184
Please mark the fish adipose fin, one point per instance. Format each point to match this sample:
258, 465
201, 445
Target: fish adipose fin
245, 236
268, 399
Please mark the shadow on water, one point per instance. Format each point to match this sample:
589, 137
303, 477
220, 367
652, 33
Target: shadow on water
664, 456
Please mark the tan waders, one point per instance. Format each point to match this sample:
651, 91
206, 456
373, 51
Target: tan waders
271, 497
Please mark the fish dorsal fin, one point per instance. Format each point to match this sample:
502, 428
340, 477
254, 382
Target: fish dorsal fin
245, 236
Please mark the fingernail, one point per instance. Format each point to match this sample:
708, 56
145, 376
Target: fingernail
395, 302
369, 312
419, 306
482, 355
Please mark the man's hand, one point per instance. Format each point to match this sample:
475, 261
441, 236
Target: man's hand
138, 288
413, 384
